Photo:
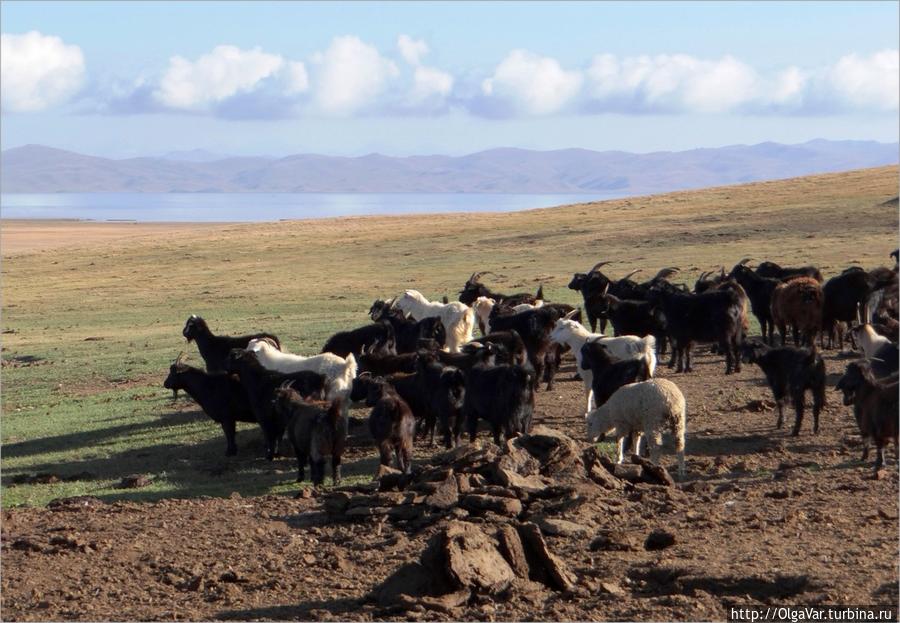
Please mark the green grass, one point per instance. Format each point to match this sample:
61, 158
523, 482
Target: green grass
98, 406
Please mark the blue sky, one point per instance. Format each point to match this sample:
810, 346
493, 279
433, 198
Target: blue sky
132, 78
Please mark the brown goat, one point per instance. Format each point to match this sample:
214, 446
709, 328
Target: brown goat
798, 303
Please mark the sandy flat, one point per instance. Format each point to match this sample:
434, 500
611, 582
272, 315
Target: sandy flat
19, 236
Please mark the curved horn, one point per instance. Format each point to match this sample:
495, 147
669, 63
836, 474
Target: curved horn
598, 265
285, 384
703, 275
634, 272
605, 288
571, 314
179, 358
744, 261
722, 271
665, 273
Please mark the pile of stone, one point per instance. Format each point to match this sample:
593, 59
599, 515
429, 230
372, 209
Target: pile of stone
531, 478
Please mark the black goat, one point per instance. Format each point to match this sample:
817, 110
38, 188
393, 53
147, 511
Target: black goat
215, 349
513, 351
409, 388
503, 395
260, 385
609, 374
635, 318
391, 423
715, 316
382, 365
443, 389
759, 291
376, 338
774, 271
474, 288
408, 332
219, 394
316, 431
790, 372
533, 326
593, 283
875, 407
844, 296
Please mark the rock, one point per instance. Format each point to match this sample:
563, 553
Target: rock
74, 503
472, 559
556, 452
597, 470
393, 481
412, 579
658, 540
495, 490
446, 495
135, 481
337, 503
25, 545
527, 485
614, 541
407, 512
304, 494
448, 604
560, 527
653, 473
513, 551
612, 589
778, 494
629, 472
482, 503
558, 575
517, 460
462, 483
385, 470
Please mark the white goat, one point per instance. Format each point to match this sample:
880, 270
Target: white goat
868, 340
339, 372
458, 318
647, 408
575, 335
484, 305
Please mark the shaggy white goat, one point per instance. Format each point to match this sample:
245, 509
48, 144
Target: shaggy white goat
647, 408
458, 318
339, 372
868, 340
575, 335
484, 305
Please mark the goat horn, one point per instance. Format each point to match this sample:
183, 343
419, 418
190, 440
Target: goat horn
744, 261
703, 275
606, 288
665, 273
598, 265
570, 315
179, 358
634, 272
722, 270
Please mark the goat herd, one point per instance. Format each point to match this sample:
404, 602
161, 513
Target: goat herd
419, 369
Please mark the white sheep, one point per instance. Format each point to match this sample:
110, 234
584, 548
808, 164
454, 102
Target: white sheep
484, 305
339, 372
575, 335
868, 339
458, 318
647, 408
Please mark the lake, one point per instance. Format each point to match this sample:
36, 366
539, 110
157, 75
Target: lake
249, 207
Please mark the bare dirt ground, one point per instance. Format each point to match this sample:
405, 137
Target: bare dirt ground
761, 518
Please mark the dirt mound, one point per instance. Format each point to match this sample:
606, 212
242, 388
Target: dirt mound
531, 477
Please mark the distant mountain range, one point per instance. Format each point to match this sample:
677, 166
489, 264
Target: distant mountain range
39, 169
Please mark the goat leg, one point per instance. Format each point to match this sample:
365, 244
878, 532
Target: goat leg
335, 469
230, 445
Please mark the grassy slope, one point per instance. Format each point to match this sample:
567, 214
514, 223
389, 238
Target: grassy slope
97, 405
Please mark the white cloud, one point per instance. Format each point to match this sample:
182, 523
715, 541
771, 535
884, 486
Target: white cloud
867, 82
532, 84
222, 73
38, 71
671, 83
412, 50
684, 84
296, 79
429, 82
350, 75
